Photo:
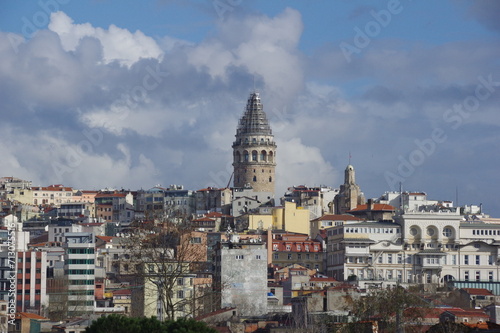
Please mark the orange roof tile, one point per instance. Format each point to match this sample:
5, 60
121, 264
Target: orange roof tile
106, 239
379, 207
478, 291
30, 316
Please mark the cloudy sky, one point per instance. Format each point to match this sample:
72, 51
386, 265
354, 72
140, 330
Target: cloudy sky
132, 94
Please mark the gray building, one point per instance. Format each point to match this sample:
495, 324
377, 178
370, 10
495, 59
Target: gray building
241, 275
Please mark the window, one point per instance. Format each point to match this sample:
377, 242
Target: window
447, 232
490, 276
400, 258
466, 275
389, 258
180, 281
466, 259
258, 257
196, 240
180, 294
240, 257
478, 260
276, 256
289, 256
478, 275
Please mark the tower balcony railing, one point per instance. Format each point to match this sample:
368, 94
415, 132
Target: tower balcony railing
265, 143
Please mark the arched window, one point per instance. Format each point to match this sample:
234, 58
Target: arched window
237, 157
254, 140
245, 155
254, 155
270, 158
263, 155
270, 179
262, 141
254, 178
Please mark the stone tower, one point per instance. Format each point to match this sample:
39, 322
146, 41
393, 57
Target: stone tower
254, 151
350, 195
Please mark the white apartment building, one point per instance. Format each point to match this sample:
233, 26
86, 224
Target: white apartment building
426, 246
79, 269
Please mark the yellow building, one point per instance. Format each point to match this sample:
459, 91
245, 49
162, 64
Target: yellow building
289, 217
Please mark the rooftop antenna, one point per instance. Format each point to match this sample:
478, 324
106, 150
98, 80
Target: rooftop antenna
254, 83
350, 157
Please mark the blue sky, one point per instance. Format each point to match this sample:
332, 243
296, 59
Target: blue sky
137, 93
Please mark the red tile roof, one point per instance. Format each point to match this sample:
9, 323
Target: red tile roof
28, 315
122, 292
478, 291
106, 239
375, 207
338, 217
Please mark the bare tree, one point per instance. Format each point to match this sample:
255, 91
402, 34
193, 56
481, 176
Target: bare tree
170, 258
396, 309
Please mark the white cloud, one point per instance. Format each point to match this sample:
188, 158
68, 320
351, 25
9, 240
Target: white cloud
299, 164
118, 44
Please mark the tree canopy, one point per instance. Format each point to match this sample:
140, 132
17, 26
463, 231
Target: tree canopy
121, 324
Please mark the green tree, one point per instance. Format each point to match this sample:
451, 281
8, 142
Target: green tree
121, 324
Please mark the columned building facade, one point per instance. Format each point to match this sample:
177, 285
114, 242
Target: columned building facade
254, 150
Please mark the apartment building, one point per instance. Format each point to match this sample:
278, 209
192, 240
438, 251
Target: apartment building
31, 282
318, 200
431, 246
79, 272
292, 248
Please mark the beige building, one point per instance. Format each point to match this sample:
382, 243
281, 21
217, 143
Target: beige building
52, 195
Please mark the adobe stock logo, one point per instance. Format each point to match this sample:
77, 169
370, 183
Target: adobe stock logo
372, 29
453, 117
38, 20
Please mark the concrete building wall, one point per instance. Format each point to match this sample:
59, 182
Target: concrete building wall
242, 276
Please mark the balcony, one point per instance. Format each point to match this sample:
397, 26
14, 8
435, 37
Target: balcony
354, 251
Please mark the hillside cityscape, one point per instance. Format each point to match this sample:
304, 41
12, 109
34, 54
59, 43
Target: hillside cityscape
243, 258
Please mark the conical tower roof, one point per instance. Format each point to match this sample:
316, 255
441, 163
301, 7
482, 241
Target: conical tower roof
254, 120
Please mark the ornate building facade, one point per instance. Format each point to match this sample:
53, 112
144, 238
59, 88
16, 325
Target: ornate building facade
254, 150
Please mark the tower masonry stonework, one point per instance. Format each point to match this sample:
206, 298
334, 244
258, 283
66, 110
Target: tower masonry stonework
254, 150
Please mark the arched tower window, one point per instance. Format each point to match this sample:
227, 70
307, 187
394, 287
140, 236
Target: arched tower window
263, 155
245, 156
237, 157
270, 156
254, 140
254, 155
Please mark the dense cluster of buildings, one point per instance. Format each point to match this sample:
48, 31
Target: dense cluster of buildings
66, 253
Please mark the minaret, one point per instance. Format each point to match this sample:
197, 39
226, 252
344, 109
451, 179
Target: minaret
254, 151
